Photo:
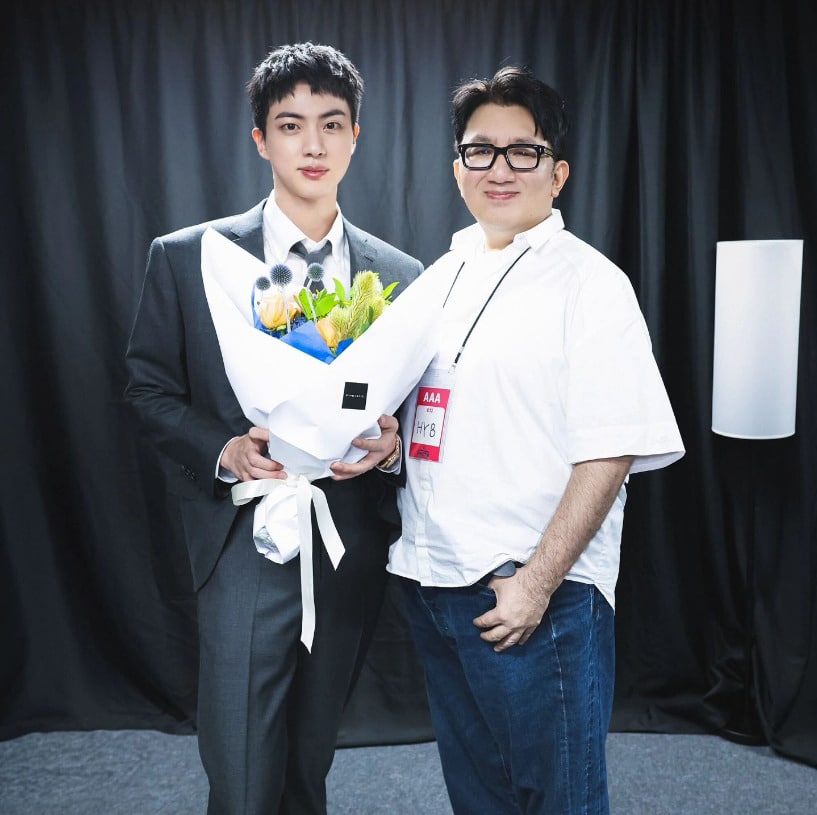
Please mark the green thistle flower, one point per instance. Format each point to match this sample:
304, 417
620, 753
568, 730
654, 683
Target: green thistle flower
342, 319
367, 302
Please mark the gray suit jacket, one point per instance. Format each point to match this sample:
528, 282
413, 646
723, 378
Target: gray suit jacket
178, 386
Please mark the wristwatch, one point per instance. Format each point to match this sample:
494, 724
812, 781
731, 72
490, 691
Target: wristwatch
393, 457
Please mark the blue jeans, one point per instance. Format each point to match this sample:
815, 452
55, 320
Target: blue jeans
523, 731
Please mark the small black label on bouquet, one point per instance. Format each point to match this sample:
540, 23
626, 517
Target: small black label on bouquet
354, 395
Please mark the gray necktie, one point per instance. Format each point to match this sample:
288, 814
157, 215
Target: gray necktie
318, 256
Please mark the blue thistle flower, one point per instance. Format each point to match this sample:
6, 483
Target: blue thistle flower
262, 283
314, 272
280, 275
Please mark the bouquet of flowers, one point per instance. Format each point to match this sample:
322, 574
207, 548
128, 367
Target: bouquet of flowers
320, 372
321, 323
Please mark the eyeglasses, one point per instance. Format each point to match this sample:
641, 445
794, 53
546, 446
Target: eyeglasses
520, 157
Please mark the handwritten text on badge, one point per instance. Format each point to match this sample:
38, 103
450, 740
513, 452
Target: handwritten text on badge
429, 418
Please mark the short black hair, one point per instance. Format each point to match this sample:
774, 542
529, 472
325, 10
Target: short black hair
322, 67
514, 86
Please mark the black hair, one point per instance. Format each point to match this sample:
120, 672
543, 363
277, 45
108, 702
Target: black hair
514, 86
322, 67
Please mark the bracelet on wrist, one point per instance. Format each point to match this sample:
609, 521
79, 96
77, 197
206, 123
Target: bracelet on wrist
392, 458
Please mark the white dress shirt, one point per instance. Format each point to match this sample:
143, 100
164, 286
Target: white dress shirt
558, 370
280, 234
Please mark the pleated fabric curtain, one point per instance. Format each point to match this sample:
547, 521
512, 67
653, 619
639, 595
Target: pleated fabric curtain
694, 122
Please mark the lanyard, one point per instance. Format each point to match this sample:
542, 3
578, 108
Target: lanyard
484, 305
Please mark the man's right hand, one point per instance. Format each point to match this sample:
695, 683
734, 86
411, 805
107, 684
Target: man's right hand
245, 457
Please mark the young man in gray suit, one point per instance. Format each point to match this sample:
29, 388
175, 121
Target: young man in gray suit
268, 710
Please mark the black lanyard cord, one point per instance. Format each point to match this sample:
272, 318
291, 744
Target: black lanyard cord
484, 305
453, 283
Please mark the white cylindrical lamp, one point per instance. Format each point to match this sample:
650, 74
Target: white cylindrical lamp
757, 326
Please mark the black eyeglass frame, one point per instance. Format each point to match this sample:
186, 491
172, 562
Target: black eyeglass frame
541, 150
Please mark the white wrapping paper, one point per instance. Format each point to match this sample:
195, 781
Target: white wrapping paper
299, 398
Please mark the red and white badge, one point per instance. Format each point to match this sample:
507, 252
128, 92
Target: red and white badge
429, 423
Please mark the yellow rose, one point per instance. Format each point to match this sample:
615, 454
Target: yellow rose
271, 310
327, 330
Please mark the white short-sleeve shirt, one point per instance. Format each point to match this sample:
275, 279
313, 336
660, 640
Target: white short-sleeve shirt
558, 369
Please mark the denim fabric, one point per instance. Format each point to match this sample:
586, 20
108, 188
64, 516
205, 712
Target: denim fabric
523, 731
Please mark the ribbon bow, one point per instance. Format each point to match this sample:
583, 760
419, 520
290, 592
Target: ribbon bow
278, 540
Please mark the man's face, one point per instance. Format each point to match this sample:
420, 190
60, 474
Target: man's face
506, 202
309, 143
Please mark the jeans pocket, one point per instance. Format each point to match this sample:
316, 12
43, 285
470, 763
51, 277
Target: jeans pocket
482, 588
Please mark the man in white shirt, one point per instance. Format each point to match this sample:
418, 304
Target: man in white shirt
543, 397
268, 710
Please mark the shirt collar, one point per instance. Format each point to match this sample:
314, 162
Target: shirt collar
280, 233
471, 239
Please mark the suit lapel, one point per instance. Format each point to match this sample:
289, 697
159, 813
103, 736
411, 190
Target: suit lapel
248, 232
361, 254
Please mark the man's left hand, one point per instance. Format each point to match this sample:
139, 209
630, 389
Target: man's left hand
519, 610
378, 449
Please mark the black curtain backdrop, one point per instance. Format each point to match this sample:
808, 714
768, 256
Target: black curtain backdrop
694, 121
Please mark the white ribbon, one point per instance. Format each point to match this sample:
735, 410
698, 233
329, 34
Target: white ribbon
273, 531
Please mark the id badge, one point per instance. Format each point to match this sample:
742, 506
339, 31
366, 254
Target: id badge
430, 414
